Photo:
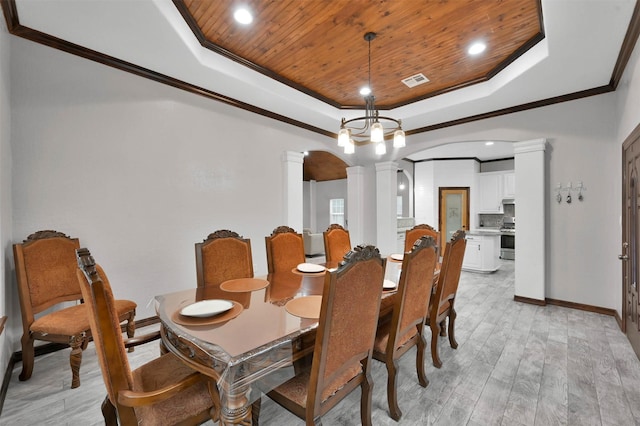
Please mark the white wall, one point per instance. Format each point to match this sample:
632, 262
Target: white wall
431, 175
6, 275
425, 193
628, 93
137, 170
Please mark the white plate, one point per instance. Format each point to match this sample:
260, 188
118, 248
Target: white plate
310, 267
388, 284
397, 256
206, 308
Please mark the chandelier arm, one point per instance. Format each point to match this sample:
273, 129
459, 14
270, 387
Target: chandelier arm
361, 129
366, 118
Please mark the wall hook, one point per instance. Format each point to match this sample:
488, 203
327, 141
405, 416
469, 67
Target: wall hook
580, 187
558, 192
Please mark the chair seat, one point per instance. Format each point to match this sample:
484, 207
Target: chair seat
296, 388
73, 320
161, 372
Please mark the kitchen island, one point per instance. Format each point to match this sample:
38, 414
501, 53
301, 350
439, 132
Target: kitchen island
483, 251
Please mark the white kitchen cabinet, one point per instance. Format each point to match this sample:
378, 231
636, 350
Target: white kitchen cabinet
494, 187
509, 185
481, 254
472, 259
490, 185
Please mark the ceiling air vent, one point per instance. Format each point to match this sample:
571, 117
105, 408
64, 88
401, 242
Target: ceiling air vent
415, 80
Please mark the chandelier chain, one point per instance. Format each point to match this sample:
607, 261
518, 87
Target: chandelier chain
372, 128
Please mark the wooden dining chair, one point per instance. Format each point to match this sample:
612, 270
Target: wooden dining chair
404, 330
413, 234
344, 341
164, 391
46, 274
285, 249
443, 302
336, 243
223, 255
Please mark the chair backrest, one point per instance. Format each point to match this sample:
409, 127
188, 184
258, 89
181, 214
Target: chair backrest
223, 255
450, 272
336, 242
414, 291
285, 249
105, 328
413, 234
347, 323
46, 271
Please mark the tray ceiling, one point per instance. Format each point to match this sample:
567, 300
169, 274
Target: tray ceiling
318, 46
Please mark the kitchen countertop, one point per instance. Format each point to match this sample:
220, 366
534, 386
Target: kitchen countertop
484, 231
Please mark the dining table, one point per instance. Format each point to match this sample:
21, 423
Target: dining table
254, 344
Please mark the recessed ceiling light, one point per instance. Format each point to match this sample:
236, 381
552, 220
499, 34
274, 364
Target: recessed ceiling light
243, 16
476, 48
488, 143
365, 91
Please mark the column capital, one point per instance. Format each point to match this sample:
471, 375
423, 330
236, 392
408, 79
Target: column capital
387, 166
355, 170
293, 156
529, 146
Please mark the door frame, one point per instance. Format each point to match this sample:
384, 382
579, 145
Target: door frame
633, 137
454, 188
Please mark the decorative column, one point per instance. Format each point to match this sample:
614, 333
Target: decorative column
313, 219
355, 204
386, 215
530, 262
292, 193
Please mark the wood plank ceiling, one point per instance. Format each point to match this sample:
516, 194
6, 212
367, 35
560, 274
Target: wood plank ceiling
322, 166
318, 46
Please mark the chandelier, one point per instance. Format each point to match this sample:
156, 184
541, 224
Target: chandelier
372, 127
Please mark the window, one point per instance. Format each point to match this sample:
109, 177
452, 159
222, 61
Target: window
336, 211
399, 206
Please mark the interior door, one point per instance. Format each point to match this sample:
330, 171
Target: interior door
454, 211
630, 235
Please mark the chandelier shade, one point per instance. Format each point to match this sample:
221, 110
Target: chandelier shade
372, 127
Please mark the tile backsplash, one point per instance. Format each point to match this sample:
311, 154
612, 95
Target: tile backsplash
495, 220
491, 220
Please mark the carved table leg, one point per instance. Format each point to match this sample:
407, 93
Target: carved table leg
236, 409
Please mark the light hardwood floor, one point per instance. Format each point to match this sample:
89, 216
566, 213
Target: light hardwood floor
516, 364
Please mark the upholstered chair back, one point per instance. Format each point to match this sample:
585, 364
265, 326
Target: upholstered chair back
413, 234
46, 270
336, 243
285, 249
223, 255
415, 285
450, 271
348, 321
105, 327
